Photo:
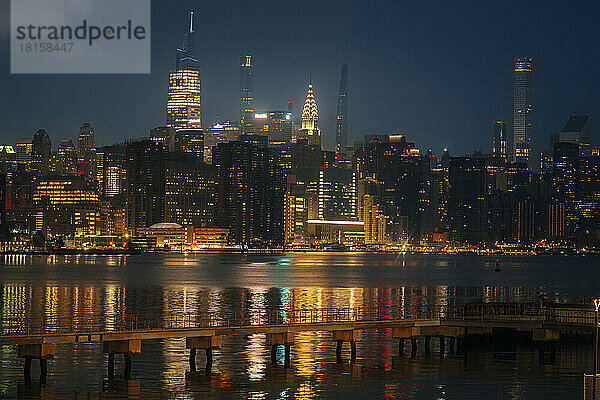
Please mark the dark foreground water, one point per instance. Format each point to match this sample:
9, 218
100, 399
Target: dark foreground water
107, 287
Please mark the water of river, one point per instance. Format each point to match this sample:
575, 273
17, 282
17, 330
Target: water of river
103, 288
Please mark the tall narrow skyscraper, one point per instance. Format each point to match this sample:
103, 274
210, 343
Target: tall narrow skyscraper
522, 107
341, 128
246, 79
41, 153
499, 139
184, 99
310, 119
86, 151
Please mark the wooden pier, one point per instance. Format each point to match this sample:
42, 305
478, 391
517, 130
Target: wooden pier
124, 335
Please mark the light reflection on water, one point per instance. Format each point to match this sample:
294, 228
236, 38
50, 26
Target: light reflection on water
85, 288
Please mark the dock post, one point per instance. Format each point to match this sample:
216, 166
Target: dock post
406, 332
274, 354
43, 367
452, 344
276, 339
193, 360
427, 344
352, 336
287, 355
208, 343
442, 345
209, 359
40, 351
127, 370
27, 369
125, 347
111, 364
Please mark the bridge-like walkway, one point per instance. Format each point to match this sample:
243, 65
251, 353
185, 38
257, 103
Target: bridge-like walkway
124, 334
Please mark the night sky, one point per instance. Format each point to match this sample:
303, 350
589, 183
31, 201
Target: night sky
438, 71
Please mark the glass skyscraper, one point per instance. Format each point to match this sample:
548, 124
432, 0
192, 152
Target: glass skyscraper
184, 99
341, 128
522, 108
499, 139
246, 78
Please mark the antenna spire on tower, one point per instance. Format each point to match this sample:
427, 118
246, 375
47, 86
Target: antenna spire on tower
191, 22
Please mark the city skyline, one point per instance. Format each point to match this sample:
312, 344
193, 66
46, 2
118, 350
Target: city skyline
299, 200
432, 117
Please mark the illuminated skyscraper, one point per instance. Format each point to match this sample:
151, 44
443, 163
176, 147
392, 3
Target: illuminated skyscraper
189, 190
522, 108
24, 149
250, 192
337, 194
219, 133
111, 173
341, 128
145, 183
65, 206
190, 141
467, 208
310, 119
66, 158
246, 78
578, 129
499, 139
276, 125
86, 151
398, 168
183, 103
41, 152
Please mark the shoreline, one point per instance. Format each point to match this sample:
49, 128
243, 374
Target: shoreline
277, 252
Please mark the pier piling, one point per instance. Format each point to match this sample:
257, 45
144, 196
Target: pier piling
208, 343
39, 351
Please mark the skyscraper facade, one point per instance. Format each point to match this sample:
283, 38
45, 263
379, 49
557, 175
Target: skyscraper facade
499, 139
467, 208
184, 99
250, 193
86, 151
396, 166
246, 80
190, 141
578, 129
41, 153
221, 132
24, 149
522, 108
189, 190
341, 128
66, 160
276, 125
111, 173
145, 183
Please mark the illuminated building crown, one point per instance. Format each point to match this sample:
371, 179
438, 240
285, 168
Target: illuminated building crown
310, 114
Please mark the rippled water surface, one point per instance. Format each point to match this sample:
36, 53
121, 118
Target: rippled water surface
101, 289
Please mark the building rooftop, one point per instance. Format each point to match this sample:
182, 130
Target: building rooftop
166, 225
575, 123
